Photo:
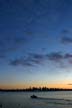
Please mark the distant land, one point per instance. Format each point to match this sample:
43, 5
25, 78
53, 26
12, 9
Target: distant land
34, 89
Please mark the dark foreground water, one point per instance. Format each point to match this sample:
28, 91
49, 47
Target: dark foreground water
46, 100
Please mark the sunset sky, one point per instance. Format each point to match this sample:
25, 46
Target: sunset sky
35, 43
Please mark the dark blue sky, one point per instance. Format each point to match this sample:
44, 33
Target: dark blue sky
35, 42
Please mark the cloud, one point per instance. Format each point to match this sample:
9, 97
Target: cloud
66, 36
69, 84
55, 56
34, 59
20, 61
66, 40
37, 58
65, 31
31, 60
68, 56
11, 44
58, 56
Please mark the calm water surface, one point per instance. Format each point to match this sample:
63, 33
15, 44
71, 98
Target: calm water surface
61, 99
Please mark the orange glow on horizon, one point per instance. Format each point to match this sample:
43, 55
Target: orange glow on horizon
22, 86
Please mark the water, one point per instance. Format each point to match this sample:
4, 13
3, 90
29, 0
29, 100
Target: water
61, 99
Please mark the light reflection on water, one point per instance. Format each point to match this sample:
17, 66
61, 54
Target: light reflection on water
61, 99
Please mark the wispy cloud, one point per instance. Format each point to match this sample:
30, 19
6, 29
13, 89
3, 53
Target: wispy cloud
65, 31
66, 40
66, 36
38, 59
37, 56
31, 60
55, 56
69, 84
11, 44
59, 57
68, 56
20, 61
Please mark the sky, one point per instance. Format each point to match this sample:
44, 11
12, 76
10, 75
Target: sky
35, 43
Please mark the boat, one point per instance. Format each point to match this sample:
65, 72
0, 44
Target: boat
34, 96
